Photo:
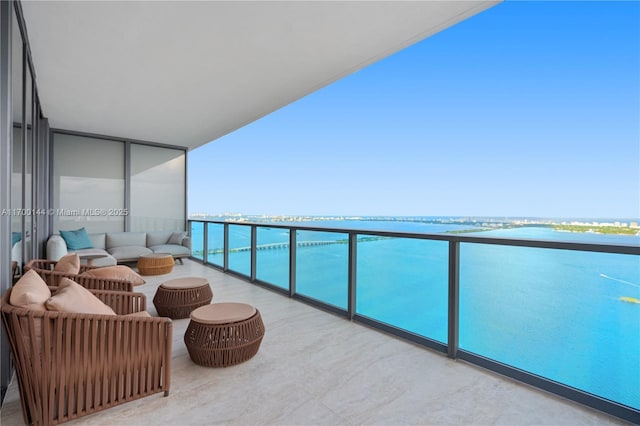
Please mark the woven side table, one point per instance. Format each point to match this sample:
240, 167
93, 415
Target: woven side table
177, 298
155, 264
224, 334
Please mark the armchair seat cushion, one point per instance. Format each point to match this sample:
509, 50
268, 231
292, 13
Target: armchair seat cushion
69, 264
30, 292
118, 272
72, 297
142, 314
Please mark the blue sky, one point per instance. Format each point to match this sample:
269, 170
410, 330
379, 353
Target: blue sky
527, 109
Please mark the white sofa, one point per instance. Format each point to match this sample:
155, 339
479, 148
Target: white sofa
121, 247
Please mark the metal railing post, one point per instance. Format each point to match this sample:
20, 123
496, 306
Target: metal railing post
454, 305
205, 242
254, 251
225, 259
293, 244
353, 251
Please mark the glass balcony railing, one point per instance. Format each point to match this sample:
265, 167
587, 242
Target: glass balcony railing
272, 256
554, 313
562, 316
240, 249
412, 282
322, 267
197, 230
215, 244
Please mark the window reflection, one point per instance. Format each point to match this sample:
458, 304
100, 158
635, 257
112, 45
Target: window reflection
16, 174
157, 188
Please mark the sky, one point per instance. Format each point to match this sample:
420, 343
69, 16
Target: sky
528, 109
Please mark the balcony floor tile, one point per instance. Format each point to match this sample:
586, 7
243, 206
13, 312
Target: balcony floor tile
317, 368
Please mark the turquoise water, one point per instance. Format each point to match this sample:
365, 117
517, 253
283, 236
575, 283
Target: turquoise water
555, 313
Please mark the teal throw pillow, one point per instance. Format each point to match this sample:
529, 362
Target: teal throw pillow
77, 240
15, 237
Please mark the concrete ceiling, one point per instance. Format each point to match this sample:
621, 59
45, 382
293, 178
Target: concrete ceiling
186, 73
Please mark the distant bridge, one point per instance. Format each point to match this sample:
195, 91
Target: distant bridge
285, 245
274, 246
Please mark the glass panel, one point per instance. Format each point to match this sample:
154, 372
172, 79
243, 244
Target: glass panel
157, 188
28, 166
215, 244
16, 196
197, 240
272, 262
322, 265
240, 249
88, 184
404, 282
16, 174
37, 188
569, 316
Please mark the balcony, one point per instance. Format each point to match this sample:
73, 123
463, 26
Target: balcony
317, 368
314, 367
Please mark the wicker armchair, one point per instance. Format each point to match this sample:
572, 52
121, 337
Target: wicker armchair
70, 365
44, 268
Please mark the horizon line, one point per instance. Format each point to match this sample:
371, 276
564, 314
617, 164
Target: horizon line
360, 216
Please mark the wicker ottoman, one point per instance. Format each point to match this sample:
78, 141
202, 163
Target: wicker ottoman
224, 334
155, 264
177, 298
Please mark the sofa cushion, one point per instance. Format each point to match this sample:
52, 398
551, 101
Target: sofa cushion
119, 272
99, 240
69, 264
177, 237
172, 249
126, 239
158, 237
76, 240
129, 252
72, 297
56, 247
30, 292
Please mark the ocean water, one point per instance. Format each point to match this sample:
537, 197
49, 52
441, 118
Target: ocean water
556, 313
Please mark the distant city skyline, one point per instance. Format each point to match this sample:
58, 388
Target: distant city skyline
529, 109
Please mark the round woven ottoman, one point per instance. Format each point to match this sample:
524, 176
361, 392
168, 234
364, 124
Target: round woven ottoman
155, 264
224, 334
177, 298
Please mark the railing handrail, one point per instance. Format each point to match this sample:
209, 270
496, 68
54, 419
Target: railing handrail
518, 242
